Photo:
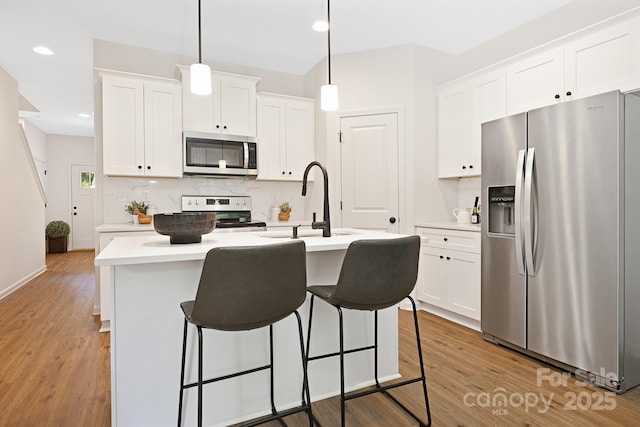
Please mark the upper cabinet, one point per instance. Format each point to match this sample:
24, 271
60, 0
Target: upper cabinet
285, 136
230, 109
142, 127
600, 62
462, 107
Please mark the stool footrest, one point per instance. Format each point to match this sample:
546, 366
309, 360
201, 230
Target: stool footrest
337, 353
226, 377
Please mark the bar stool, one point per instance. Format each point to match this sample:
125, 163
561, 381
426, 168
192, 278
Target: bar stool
375, 274
245, 288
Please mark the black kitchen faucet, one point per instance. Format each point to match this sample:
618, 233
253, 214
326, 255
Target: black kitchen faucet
325, 225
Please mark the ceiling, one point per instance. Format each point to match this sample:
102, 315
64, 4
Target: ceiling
269, 34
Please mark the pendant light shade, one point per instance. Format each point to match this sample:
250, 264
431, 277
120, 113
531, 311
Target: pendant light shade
200, 79
200, 73
329, 97
329, 92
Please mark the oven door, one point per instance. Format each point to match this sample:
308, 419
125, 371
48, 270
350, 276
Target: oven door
209, 154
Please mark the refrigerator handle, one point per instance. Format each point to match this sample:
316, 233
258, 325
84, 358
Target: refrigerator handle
528, 212
518, 213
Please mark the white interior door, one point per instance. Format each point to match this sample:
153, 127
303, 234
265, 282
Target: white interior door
82, 206
369, 156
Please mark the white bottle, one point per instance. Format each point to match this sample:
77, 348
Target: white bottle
274, 213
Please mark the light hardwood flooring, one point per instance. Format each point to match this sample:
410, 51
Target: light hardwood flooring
54, 369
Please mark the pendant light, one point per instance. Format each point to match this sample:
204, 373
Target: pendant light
200, 73
329, 92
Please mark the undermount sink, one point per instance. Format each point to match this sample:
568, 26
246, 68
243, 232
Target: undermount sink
303, 234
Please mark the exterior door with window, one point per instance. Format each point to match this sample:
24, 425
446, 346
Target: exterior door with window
369, 157
82, 207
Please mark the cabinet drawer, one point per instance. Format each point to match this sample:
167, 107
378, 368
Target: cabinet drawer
468, 241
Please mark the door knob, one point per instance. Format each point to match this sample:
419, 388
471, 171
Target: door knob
75, 213
392, 220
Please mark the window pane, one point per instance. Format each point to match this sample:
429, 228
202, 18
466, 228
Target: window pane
87, 180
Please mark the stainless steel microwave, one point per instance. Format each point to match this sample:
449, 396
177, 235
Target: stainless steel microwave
217, 154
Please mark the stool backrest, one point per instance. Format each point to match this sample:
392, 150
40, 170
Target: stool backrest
377, 273
248, 287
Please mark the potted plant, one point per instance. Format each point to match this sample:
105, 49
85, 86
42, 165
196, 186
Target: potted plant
285, 211
134, 208
57, 233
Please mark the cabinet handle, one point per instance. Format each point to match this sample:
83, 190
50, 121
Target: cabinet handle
217, 126
464, 167
289, 172
557, 96
441, 257
448, 258
470, 166
224, 127
568, 93
446, 239
283, 172
139, 166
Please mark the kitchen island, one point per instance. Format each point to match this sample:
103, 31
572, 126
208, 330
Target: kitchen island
150, 278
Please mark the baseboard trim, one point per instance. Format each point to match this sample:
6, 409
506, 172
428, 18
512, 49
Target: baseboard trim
22, 282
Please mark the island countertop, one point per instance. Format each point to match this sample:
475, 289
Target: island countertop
152, 249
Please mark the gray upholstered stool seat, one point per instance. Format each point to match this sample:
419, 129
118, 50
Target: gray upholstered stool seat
245, 288
375, 274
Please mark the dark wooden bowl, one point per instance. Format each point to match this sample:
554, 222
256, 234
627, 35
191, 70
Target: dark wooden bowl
184, 227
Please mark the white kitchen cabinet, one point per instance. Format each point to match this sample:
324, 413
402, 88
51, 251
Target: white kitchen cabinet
285, 136
462, 108
603, 61
449, 271
230, 109
142, 127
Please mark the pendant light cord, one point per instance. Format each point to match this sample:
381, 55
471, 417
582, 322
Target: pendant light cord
328, 38
199, 35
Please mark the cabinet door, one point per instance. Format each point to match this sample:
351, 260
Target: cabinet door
123, 126
488, 97
604, 61
463, 283
432, 288
271, 138
536, 81
300, 138
452, 124
237, 106
163, 130
197, 110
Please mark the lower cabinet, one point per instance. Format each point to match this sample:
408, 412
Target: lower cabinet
449, 271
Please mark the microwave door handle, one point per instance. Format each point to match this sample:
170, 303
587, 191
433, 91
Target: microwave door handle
246, 155
518, 213
528, 211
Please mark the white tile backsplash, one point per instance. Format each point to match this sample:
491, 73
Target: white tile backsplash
165, 194
468, 189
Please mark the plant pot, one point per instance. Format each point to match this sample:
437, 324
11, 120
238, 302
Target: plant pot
284, 216
57, 245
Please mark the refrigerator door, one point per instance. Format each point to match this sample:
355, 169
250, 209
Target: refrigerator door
573, 291
503, 302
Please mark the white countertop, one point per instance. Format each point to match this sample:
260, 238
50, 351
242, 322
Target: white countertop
449, 225
156, 248
115, 228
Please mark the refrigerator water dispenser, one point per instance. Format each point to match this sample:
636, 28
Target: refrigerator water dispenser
502, 210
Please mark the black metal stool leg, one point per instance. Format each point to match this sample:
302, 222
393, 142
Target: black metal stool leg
184, 352
342, 408
199, 376
424, 380
306, 396
375, 350
271, 393
306, 354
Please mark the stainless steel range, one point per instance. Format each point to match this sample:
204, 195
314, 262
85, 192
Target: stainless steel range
233, 213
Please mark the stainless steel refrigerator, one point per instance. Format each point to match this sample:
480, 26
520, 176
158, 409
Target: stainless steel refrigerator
561, 236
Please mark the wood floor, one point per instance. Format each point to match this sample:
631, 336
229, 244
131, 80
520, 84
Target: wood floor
54, 370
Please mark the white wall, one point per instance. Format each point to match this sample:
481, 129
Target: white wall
63, 151
22, 248
38, 143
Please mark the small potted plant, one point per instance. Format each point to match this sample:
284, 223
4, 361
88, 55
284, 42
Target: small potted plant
285, 211
57, 233
134, 208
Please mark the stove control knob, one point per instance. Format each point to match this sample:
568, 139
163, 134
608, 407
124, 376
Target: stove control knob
189, 202
197, 203
244, 202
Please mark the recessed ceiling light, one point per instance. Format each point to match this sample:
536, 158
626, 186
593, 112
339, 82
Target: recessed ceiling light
84, 115
320, 26
43, 50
